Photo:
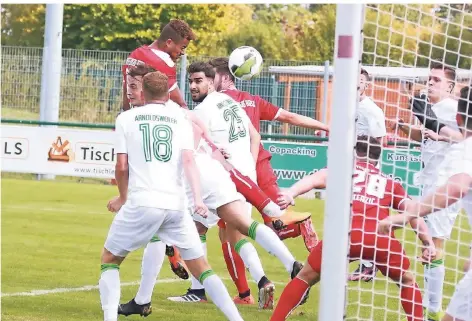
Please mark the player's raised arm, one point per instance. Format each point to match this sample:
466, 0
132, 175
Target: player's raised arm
456, 167
300, 120
316, 180
413, 132
177, 97
255, 139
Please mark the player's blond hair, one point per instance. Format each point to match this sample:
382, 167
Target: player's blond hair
140, 70
155, 86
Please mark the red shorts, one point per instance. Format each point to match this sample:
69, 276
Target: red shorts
386, 251
266, 179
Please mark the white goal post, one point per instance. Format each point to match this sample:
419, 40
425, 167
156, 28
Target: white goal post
398, 45
340, 161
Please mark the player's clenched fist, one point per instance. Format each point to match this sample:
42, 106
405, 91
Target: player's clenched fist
285, 200
115, 204
201, 209
428, 253
385, 226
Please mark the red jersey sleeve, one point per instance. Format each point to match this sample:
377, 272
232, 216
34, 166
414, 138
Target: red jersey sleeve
399, 195
267, 110
157, 60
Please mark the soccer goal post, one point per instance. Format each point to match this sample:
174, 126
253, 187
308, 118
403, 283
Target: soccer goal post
340, 161
412, 53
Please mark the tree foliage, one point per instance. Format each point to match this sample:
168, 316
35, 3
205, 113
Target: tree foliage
406, 34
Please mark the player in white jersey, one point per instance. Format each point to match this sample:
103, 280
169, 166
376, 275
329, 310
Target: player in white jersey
370, 118
154, 150
219, 192
370, 121
442, 109
452, 184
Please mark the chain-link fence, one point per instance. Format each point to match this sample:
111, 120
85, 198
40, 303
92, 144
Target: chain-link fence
91, 87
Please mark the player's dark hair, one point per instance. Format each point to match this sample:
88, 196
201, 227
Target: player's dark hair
201, 66
176, 30
367, 146
450, 72
140, 70
464, 106
155, 86
365, 73
221, 66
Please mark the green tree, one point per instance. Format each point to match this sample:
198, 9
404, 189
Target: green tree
289, 32
22, 25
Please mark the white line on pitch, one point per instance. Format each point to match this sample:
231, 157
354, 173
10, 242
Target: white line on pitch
54, 209
94, 287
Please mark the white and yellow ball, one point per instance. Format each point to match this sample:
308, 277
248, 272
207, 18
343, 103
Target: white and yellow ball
245, 63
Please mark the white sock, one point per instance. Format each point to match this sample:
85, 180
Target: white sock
109, 286
153, 257
219, 295
266, 238
434, 283
196, 285
272, 210
367, 263
251, 260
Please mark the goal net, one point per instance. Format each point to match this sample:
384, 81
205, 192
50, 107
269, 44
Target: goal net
418, 57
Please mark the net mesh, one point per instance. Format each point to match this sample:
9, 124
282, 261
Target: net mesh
401, 43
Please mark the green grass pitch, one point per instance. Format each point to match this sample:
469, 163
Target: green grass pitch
53, 233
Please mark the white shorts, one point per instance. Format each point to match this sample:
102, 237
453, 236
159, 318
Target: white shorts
440, 223
134, 226
217, 189
460, 306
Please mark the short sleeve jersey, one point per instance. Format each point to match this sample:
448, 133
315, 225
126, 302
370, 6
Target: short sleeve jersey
433, 152
153, 137
370, 119
374, 193
458, 160
228, 126
157, 59
257, 109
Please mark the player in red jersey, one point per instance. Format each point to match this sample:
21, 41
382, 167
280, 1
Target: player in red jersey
162, 55
259, 109
373, 195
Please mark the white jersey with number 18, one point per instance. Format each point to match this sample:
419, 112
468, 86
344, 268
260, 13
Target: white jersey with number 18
154, 137
228, 125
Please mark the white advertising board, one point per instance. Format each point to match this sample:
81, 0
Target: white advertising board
58, 151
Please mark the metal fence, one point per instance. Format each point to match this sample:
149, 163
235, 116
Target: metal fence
91, 87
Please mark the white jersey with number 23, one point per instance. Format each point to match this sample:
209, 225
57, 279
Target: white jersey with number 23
228, 125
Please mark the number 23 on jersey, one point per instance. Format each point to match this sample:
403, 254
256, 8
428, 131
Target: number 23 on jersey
236, 129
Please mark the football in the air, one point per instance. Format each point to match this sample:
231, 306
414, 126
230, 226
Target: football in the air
245, 63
